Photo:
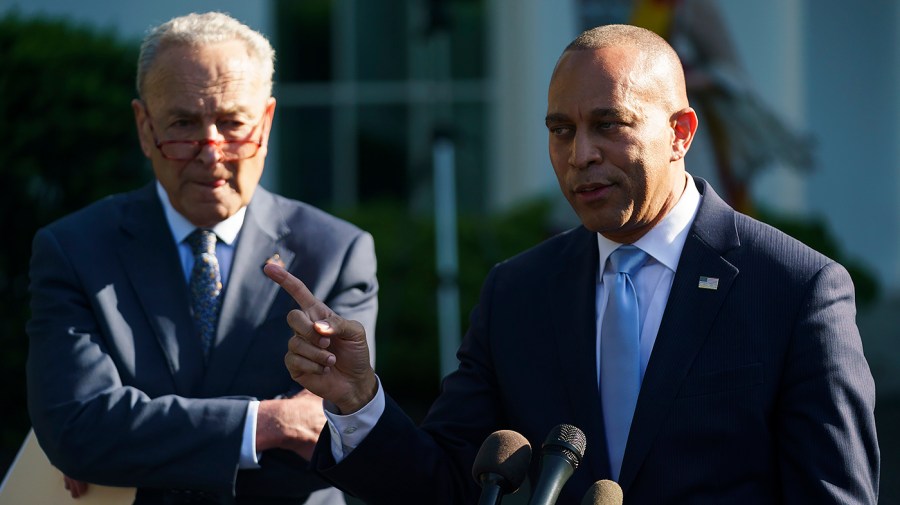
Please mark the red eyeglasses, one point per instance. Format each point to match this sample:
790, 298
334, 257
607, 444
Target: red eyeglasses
187, 150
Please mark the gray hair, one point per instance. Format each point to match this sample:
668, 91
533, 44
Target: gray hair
207, 28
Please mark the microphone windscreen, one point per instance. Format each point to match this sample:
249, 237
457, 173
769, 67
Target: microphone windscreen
603, 492
505, 453
568, 440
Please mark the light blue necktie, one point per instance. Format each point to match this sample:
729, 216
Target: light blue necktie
620, 353
205, 286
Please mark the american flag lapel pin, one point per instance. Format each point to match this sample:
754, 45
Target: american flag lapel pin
276, 259
708, 283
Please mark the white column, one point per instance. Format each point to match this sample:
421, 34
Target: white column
769, 37
526, 38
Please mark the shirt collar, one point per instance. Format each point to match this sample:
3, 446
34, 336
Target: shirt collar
664, 241
226, 231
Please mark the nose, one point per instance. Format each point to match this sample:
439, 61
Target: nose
211, 146
584, 151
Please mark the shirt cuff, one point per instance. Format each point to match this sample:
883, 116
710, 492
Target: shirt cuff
348, 431
249, 457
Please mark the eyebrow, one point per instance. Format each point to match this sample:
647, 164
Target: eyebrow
598, 113
193, 113
555, 118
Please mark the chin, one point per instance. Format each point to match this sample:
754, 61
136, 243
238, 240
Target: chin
210, 219
593, 225
598, 224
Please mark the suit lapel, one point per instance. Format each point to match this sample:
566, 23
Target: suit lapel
150, 259
574, 293
249, 294
685, 325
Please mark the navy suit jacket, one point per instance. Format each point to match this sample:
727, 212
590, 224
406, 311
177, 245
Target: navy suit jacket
117, 388
755, 392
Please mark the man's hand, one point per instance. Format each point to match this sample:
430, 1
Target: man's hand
292, 423
328, 354
76, 488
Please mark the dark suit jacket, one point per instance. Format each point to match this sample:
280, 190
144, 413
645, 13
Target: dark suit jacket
117, 390
756, 392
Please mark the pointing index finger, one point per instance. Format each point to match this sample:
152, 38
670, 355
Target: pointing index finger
294, 286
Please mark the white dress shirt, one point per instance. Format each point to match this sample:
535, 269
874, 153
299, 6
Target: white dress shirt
653, 282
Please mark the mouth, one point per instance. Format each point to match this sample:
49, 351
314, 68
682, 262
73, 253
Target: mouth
216, 183
592, 191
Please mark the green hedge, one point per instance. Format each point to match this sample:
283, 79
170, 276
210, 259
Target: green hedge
66, 139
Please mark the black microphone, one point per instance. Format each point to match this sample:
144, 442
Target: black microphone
603, 492
560, 455
501, 465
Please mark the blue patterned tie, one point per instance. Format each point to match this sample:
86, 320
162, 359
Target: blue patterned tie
620, 353
206, 286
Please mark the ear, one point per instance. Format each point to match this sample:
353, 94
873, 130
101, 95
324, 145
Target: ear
269, 116
684, 125
141, 121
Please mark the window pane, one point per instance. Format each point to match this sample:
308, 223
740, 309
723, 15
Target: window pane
382, 152
303, 40
305, 159
381, 40
471, 174
468, 44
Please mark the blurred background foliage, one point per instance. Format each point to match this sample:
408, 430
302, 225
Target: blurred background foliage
68, 139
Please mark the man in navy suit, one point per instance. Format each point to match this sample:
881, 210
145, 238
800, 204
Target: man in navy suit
121, 389
753, 385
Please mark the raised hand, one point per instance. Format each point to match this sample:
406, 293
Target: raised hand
328, 355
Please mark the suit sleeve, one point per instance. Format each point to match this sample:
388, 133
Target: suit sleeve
91, 425
825, 428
